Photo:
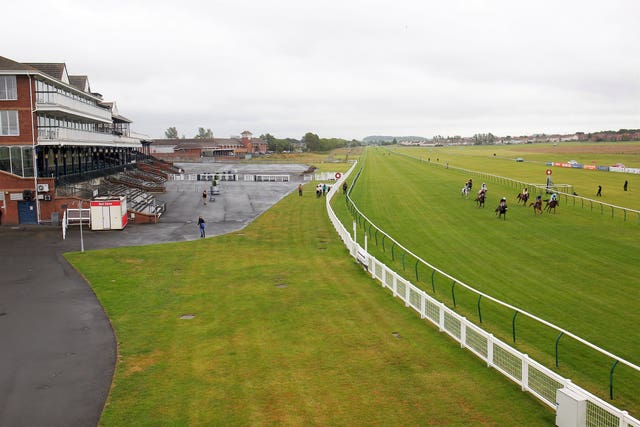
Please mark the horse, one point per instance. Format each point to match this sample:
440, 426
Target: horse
523, 197
537, 206
480, 199
502, 210
465, 192
551, 204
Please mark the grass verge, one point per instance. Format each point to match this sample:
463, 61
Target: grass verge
287, 330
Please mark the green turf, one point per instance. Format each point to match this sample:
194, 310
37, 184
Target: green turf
577, 268
288, 331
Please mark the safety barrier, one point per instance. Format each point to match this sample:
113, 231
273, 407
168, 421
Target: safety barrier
533, 377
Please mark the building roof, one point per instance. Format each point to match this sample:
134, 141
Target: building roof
80, 82
57, 70
7, 64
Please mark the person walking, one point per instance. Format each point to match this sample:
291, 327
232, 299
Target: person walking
599, 193
204, 197
626, 185
202, 226
300, 190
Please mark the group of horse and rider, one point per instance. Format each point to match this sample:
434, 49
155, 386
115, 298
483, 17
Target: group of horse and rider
523, 196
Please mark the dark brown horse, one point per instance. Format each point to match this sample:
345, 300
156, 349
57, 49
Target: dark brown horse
502, 209
523, 197
537, 206
551, 204
480, 199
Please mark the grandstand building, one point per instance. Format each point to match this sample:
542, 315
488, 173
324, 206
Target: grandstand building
54, 130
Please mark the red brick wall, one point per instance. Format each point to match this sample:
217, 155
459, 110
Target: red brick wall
13, 184
25, 116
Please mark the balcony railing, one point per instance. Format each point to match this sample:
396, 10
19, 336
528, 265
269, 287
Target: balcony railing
58, 135
54, 101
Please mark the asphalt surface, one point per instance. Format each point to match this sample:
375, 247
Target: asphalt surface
58, 350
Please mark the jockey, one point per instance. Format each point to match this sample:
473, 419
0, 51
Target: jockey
483, 189
525, 192
503, 203
470, 184
554, 197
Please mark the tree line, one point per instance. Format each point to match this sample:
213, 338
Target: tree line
309, 142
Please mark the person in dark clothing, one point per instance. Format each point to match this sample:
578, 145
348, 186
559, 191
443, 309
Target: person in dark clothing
202, 226
626, 185
599, 193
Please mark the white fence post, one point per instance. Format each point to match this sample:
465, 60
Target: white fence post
490, 350
407, 294
463, 332
525, 372
441, 319
355, 246
423, 305
366, 245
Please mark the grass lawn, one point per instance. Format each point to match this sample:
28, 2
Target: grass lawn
577, 268
288, 330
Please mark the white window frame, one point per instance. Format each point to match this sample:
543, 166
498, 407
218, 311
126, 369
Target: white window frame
8, 88
9, 123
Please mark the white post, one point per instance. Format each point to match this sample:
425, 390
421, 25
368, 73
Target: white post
366, 244
355, 246
407, 294
525, 372
423, 305
463, 332
490, 350
441, 320
81, 237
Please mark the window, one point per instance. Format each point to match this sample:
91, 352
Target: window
8, 88
5, 163
9, 123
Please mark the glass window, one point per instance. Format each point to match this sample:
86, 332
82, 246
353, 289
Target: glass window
27, 161
16, 160
4, 159
9, 122
8, 88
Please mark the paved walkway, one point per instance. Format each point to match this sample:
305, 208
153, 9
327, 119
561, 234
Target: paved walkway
58, 350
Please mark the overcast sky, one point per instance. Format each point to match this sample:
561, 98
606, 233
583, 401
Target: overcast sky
345, 68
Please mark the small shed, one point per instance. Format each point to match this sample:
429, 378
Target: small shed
109, 213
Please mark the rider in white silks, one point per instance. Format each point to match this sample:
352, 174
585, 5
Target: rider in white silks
525, 192
483, 189
554, 197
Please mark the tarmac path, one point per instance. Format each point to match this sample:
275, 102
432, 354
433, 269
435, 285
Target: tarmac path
57, 347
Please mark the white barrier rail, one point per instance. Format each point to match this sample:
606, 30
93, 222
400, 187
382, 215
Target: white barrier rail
542, 188
533, 377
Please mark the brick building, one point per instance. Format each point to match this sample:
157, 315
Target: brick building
54, 130
199, 148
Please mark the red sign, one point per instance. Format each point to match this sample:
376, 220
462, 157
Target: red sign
549, 171
338, 175
105, 203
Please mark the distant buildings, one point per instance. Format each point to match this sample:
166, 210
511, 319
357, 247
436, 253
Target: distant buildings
202, 148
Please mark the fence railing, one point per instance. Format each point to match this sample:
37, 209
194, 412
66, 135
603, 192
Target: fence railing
568, 196
533, 377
